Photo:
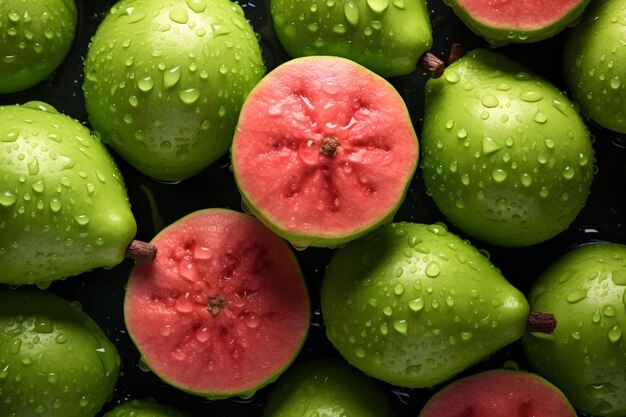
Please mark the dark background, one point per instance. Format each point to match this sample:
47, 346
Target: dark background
157, 204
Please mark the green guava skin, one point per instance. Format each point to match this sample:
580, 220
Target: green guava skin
35, 37
500, 36
505, 156
414, 305
586, 355
165, 80
386, 37
143, 408
63, 203
54, 360
592, 64
326, 387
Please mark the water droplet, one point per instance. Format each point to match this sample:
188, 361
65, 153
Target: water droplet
351, 12
82, 219
401, 326
53, 377
197, 6
14, 16
43, 325
490, 101
14, 346
33, 166
432, 269
184, 304
452, 77
189, 95
540, 117
526, 179
145, 84
576, 295
291, 30
384, 329
615, 82
416, 304
179, 15
461, 133
171, 77
398, 289
499, 175
378, 6
7, 198
615, 333
489, 145
531, 96
609, 311
568, 173
60, 339
252, 321
359, 352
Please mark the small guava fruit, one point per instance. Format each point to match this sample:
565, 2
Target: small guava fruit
414, 305
165, 80
324, 151
593, 70
386, 37
222, 310
503, 22
63, 203
144, 408
498, 393
35, 37
506, 157
586, 355
55, 361
326, 387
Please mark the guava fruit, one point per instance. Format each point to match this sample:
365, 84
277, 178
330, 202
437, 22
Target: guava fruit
586, 354
144, 408
414, 305
54, 359
326, 387
386, 37
593, 70
324, 151
165, 80
222, 310
63, 203
35, 37
498, 393
505, 156
502, 22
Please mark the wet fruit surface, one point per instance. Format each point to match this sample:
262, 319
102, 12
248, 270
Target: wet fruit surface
157, 204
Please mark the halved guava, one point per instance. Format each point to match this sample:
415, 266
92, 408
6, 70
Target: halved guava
499, 393
324, 151
223, 309
504, 21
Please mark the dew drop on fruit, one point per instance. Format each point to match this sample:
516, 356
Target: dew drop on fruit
15, 345
183, 304
351, 11
172, 76
416, 304
401, 326
576, 295
202, 334
531, 96
452, 77
189, 95
145, 84
490, 101
53, 378
7, 198
540, 117
499, 175
596, 316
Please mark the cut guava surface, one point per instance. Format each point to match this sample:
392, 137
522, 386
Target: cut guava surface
223, 309
503, 21
499, 393
324, 151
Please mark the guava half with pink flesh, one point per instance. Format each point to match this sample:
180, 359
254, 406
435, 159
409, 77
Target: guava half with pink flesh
509, 21
223, 309
499, 393
324, 151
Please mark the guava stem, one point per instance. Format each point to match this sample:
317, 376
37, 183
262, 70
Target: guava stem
431, 65
141, 251
540, 322
329, 145
216, 304
456, 52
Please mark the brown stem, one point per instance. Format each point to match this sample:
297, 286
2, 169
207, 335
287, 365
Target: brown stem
329, 145
216, 304
141, 251
431, 65
540, 322
456, 52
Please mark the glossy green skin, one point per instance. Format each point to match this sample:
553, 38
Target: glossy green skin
593, 64
143, 408
414, 305
35, 37
63, 203
165, 80
328, 388
586, 355
505, 156
386, 37
499, 36
54, 360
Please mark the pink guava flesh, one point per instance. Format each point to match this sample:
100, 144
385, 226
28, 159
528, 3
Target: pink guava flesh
324, 147
499, 393
518, 14
222, 309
